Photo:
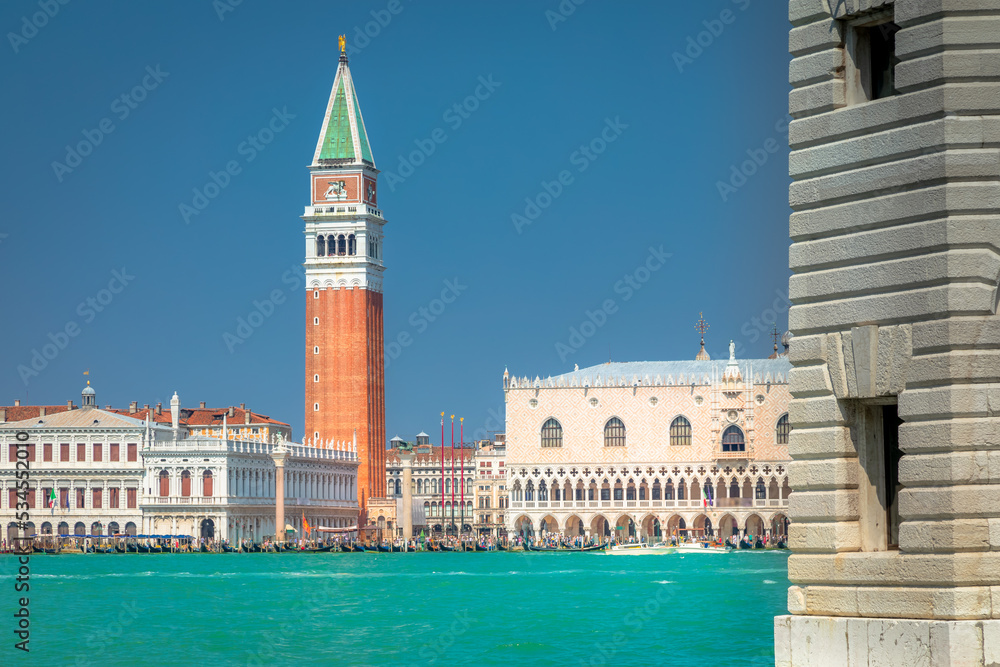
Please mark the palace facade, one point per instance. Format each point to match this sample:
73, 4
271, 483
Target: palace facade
626, 449
118, 474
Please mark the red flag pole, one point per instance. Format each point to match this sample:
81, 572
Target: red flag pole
442, 471
461, 444
453, 470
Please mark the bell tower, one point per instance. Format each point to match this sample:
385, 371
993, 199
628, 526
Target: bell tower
345, 372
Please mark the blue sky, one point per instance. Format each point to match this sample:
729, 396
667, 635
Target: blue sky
623, 168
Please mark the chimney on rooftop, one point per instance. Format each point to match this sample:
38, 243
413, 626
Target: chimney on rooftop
3, 414
246, 417
232, 411
17, 402
243, 406
41, 411
159, 408
133, 407
107, 407
69, 405
145, 407
201, 404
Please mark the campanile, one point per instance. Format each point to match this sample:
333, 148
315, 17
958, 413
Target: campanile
345, 372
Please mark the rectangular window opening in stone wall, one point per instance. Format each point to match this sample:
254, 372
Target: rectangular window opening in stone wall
876, 434
871, 59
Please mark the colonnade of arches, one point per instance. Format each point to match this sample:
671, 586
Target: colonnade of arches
249, 482
336, 245
624, 526
756, 487
429, 486
74, 528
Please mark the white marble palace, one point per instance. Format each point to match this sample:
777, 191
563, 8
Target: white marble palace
115, 473
633, 448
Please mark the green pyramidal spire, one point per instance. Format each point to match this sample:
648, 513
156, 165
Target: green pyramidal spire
343, 137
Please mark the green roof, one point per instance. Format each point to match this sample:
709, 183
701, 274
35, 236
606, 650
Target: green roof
344, 136
337, 141
366, 151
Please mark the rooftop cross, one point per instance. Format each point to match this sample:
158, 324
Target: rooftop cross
702, 326
775, 335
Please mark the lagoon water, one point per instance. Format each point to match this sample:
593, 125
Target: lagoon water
423, 608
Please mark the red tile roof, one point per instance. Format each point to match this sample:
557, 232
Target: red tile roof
16, 413
189, 416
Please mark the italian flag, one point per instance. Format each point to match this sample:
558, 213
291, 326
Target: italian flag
706, 496
52, 500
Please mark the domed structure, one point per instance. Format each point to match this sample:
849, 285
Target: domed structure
89, 396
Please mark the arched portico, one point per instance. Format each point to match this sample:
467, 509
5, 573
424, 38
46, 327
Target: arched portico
779, 525
548, 524
754, 525
728, 526
524, 527
574, 526
675, 523
703, 526
651, 529
600, 526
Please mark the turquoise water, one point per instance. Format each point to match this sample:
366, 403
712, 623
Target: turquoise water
424, 608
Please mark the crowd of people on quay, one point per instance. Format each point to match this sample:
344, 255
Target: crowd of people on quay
350, 543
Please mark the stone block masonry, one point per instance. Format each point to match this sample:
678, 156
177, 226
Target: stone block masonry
895, 229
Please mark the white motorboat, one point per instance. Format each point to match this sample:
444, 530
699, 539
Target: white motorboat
702, 547
639, 548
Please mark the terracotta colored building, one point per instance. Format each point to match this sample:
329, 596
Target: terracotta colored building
345, 374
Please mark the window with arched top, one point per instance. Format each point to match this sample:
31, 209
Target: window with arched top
352, 245
614, 433
732, 440
552, 433
320, 246
341, 245
760, 491
782, 430
186, 483
164, 483
206, 483
680, 431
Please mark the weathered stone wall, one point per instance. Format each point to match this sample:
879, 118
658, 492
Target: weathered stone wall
895, 237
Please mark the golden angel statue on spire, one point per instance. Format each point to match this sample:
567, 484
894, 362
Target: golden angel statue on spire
343, 43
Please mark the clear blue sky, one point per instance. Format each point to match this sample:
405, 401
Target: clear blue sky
683, 114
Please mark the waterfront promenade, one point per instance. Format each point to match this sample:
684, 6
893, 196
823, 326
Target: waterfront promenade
445, 608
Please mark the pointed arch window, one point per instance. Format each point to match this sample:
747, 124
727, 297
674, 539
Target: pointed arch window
680, 432
552, 433
732, 440
614, 433
782, 430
